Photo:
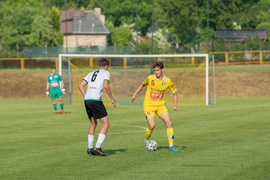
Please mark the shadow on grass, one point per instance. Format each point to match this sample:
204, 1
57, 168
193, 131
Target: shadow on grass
167, 147
114, 151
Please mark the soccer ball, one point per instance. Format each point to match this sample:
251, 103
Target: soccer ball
152, 145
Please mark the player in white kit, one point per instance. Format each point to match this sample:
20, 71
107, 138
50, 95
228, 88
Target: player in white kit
96, 81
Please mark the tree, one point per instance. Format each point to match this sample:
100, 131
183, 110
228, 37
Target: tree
55, 16
184, 18
252, 43
121, 36
265, 25
15, 26
42, 32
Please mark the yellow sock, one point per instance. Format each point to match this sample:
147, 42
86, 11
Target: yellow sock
148, 134
170, 135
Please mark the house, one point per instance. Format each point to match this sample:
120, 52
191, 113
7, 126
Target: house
240, 35
83, 28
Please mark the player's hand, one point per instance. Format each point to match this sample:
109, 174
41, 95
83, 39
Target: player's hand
133, 98
47, 93
175, 107
64, 91
113, 102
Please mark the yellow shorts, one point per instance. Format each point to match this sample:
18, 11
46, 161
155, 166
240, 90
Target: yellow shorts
151, 110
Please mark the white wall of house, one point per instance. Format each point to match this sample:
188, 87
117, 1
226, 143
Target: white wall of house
84, 40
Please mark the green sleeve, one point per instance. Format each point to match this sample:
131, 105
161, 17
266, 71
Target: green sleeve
48, 79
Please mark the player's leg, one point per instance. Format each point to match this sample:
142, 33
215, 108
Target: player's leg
151, 126
150, 117
91, 130
53, 98
104, 125
54, 106
101, 113
102, 134
92, 127
166, 118
59, 95
61, 105
91, 136
149, 131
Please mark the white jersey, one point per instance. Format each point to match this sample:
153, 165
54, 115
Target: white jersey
95, 85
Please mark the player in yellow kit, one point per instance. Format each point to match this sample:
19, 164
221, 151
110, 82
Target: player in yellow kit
154, 102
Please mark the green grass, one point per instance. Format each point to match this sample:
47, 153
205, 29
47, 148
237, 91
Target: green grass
225, 141
240, 68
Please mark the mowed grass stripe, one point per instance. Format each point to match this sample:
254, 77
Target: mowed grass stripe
226, 141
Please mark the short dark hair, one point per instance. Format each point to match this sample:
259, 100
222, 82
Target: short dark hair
103, 62
158, 64
53, 67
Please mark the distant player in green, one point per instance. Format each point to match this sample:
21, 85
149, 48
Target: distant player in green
53, 82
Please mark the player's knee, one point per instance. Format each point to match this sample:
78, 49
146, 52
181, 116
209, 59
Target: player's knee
93, 123
107, 124
169, 124
151, 127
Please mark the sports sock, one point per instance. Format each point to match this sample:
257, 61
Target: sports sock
55, 107
101, 138
90, 140
170, 135
62, 107
148, 134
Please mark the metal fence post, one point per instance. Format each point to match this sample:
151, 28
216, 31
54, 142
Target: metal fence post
227, 58
22, 63
261, 57
91, 62
125, 62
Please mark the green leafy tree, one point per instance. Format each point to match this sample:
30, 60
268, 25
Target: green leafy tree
121, 36
265, 25
183, 19
15, 25
145, 47
55, 16
263, 11
252, 43
42, 32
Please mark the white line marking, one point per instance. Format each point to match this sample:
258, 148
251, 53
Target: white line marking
109, 132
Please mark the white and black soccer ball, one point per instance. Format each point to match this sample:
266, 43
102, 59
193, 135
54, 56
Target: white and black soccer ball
152, 145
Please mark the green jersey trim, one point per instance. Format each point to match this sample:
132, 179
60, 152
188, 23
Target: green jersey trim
92, 100
106, 80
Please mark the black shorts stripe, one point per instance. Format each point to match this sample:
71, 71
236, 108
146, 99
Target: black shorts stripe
95, 109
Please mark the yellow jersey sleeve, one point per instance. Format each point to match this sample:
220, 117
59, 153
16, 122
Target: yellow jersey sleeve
172, 87
145, 82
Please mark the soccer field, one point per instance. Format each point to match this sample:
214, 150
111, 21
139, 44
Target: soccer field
225, 141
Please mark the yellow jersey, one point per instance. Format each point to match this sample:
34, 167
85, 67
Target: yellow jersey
154, 95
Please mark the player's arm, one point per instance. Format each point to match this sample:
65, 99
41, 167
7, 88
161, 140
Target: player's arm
62, 84
81, 87
175, 99
47, 86
63, 87
47, 89
108, 90
136, 92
